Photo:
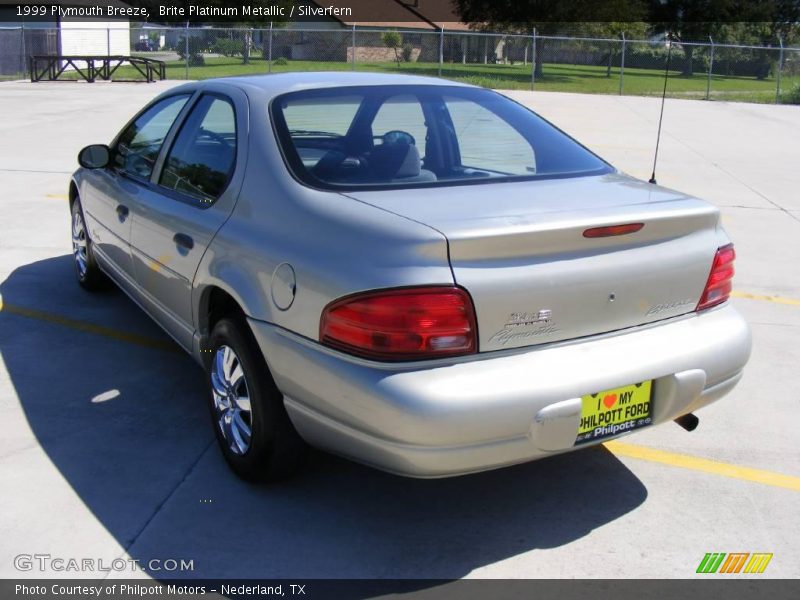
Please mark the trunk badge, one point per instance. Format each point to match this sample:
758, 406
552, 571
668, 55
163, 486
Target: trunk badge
519, 319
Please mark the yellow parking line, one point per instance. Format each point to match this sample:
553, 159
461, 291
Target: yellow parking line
705, 465
122, 336
57, 196
778, 299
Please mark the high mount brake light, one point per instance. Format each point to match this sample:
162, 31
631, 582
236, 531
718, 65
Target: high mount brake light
612, 230
402, 324
718, 287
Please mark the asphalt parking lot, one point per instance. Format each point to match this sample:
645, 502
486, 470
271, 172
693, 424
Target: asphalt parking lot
107, 451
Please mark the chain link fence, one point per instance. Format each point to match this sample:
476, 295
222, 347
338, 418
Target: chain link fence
503, 61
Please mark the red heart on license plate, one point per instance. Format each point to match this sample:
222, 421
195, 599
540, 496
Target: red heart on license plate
609, 400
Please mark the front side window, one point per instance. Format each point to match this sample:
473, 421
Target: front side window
371, 137
201, 160
138, 146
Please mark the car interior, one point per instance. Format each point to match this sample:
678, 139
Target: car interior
366, 156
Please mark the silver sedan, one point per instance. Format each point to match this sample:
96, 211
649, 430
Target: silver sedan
422, 276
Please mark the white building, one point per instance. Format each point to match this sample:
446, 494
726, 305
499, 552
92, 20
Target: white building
96, 38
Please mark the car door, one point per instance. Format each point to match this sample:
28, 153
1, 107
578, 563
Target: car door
193, 190
107, 195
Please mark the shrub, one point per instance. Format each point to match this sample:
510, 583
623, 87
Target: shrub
228, 47
792, 96
196, 47
728, 61
280, 61
408, 52
654, 56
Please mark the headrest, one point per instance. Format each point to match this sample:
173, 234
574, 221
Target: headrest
327, 167
395, 161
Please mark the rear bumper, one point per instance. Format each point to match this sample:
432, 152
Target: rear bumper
434, 419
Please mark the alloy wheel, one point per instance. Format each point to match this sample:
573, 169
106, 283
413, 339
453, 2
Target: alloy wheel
231, 399
79, 243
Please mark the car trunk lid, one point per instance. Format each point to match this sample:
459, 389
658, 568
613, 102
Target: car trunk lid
520, 251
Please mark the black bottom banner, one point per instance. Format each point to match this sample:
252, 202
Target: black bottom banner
423, 589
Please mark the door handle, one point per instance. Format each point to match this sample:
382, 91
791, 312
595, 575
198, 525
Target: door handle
183, 240
122, 212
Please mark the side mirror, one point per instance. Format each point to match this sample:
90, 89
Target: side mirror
95, 156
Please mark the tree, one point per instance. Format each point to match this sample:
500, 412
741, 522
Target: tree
614, 30
249, 25
770, 21
549, 17
392, 39
761, 22
693, 21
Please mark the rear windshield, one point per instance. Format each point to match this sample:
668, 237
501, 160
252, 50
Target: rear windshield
402, 136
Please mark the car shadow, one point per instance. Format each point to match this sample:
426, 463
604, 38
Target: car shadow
126, 425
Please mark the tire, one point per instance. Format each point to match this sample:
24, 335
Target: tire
89, 275
259, 444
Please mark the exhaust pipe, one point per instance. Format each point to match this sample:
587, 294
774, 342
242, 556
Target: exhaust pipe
688, 421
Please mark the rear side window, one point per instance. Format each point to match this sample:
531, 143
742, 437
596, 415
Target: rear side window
201, 160
139, 145
375, 137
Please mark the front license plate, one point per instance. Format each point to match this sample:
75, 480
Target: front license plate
616, 411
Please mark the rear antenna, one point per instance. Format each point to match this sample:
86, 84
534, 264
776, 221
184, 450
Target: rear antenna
663, 97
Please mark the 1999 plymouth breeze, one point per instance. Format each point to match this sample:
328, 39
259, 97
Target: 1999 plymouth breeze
423, 276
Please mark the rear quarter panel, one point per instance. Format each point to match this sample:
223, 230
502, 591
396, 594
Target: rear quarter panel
335, 245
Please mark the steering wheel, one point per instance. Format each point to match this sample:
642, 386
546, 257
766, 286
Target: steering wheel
397, 136
139, 165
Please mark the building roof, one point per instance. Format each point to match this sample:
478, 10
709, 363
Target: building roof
441, 13
401, 14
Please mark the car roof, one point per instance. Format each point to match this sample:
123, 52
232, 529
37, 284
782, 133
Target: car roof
270, 85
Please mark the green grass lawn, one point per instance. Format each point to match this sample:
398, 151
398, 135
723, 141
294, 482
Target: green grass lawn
556, 77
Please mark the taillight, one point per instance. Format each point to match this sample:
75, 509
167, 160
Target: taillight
401, 324
718, 286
